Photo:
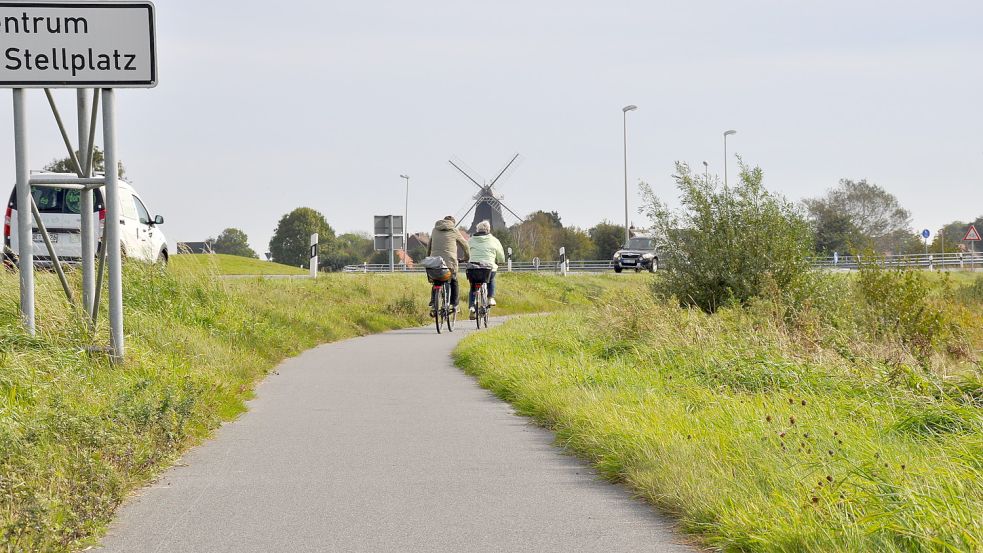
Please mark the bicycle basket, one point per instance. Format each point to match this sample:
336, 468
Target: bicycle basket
479, 274
439, 275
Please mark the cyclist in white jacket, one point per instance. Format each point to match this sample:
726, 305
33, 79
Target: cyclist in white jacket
485, 247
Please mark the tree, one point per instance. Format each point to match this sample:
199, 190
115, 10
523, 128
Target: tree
608, 238
538, 236
291, 242
873, 218
835, 231
954, 234
728, 244
577, 242
507, 238
232, 241
65, 165
348, 249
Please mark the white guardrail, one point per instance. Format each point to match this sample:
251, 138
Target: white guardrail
948, 261
517, 266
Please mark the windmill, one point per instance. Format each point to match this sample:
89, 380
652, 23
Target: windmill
487, 204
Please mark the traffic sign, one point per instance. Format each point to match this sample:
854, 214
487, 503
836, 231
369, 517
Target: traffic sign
972, 235
381, 243
926, 234
382, 225
96, 44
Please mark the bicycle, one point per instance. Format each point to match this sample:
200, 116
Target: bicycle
440, 298
478, 275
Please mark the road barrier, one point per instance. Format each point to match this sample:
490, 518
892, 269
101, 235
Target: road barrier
517, 267
931, 261
937, 261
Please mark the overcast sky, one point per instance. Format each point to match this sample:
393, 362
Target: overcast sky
267, 106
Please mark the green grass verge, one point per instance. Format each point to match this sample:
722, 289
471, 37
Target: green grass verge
756, 436
77, 434
222, 264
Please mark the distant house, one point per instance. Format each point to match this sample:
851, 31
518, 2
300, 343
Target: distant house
195, 247
422, 240
418, 240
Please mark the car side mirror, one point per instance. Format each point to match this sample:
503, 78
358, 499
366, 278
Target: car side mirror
159, 220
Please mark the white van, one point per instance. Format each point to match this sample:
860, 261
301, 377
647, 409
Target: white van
139, 236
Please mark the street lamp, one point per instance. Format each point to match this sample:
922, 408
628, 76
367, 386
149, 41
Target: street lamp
624, 114
406, 213
726, 134
706, 171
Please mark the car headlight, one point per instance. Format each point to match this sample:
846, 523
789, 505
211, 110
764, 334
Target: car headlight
648, 256
617, 255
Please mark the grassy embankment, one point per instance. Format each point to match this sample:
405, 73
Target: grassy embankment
221, 264
850, 422
76, 434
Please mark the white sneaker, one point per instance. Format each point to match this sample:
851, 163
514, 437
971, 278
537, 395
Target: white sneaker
471, 314
491, 301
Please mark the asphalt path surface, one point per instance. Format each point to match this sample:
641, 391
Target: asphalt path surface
380, 444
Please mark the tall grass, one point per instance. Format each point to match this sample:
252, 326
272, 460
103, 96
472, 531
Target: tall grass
828, 423
77, 434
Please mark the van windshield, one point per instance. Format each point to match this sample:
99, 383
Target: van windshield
59, 200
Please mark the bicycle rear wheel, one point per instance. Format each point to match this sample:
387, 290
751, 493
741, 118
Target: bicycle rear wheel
451, 313
480, 305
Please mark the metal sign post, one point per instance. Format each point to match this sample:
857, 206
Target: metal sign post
96, 44
114, 256
86, 205
25, 237
972, 236
925, 234
314, 247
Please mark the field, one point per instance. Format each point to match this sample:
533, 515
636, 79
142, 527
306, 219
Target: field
77, 434
851, 424
221, 264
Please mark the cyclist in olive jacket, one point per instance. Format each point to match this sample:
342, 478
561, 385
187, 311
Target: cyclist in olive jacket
444, 241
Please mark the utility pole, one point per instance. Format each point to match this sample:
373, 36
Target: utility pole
624, 113
406, 227
726, 134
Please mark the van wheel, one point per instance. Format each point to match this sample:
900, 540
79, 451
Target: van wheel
162, 258
617, 269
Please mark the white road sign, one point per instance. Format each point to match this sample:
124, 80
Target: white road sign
77, 44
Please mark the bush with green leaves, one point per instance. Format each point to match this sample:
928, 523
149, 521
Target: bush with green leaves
901, 306
727, 244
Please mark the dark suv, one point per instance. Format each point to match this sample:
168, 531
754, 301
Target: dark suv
638, 254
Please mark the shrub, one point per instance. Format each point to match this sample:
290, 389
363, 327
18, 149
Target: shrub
728, 244
899, 305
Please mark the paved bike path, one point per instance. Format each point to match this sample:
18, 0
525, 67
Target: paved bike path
381, 444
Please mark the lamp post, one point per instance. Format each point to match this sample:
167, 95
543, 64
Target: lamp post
406, 213
706, 171
624, 114
726, 134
